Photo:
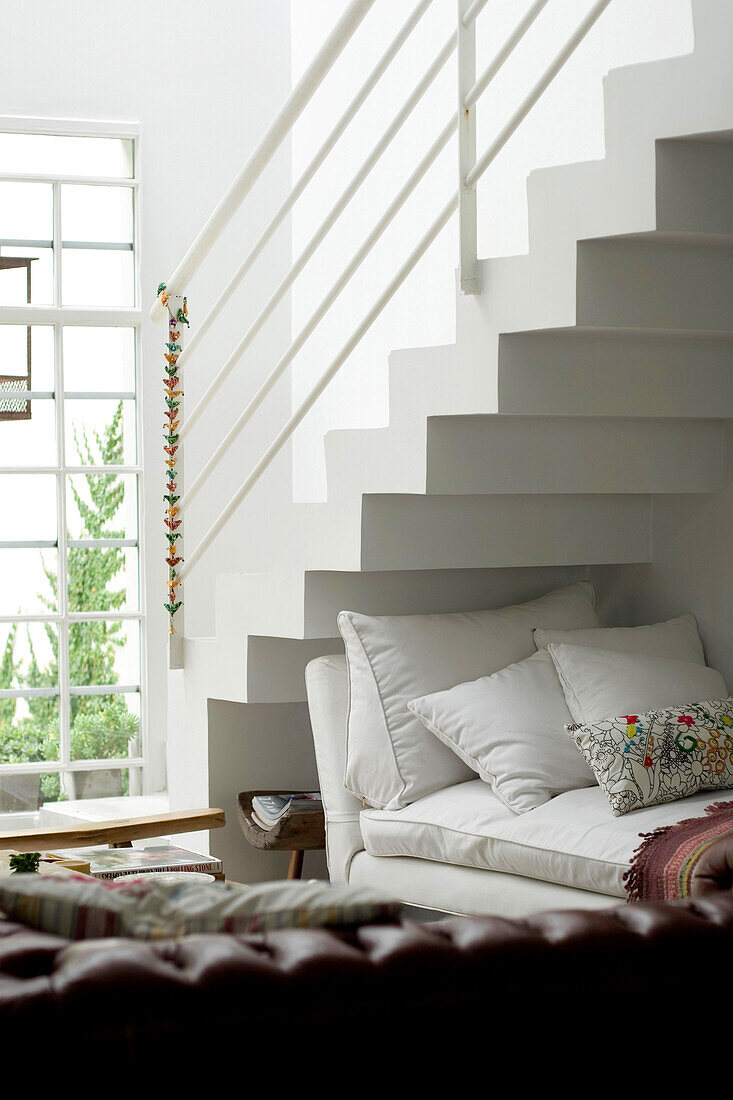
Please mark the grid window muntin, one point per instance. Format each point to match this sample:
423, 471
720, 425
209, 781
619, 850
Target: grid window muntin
59, 316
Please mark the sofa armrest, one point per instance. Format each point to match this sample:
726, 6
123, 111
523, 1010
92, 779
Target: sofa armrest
328, 694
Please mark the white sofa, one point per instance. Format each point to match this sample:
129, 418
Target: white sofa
459, 849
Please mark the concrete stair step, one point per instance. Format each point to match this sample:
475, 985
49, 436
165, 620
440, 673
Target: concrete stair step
625, 373
305, 605
510, 454
462, 532
677, 184
669, 280
493, 453
695, 183
424, 591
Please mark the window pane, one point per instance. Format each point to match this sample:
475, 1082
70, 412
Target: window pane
28, 734
50, 792
14, 354
26, 212
100, 433
51, 154
104, 579
21, 794
27, 507
27, 737
13, 283
28, 582
28, 654
96, 277
105, 727
102, 506
100, 783
29, 442
99, 359
104, 652
14, 351
96, 213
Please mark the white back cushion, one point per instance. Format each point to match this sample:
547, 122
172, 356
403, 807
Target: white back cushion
677, 639
599, 683
392, 760
510, 729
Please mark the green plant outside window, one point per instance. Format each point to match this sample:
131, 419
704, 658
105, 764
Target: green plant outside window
102, 727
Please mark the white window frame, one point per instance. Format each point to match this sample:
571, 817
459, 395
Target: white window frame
58, 316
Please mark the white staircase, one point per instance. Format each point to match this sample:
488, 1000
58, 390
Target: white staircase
591, 380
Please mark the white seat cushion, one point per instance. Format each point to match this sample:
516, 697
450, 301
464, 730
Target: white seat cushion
573, 839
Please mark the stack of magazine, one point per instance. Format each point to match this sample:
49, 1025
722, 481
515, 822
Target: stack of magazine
109, 863
268, 810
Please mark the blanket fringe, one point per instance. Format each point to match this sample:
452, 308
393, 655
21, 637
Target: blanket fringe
633, 878
718, 808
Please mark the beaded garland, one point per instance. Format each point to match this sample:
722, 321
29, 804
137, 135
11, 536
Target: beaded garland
177, 317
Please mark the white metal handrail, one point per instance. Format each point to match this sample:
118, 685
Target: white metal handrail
203, 326
307, 404
286, 118
477, 90
469, 92
322, 232
346, 275
471, 169
542, 84
472, 12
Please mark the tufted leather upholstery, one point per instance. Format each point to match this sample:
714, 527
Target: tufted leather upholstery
354, 998
713, 872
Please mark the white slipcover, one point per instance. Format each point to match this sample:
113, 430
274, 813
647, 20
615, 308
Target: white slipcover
572, 840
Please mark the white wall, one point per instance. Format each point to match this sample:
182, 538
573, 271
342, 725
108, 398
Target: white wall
203, 80
691, 540
566, 126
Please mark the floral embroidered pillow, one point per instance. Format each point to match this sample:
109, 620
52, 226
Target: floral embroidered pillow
646, 759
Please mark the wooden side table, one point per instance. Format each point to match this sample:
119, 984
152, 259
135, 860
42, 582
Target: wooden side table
295, 833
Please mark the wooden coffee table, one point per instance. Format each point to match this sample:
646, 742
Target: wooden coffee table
118, 833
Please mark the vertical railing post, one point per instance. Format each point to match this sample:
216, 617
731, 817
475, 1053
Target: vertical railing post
468, 229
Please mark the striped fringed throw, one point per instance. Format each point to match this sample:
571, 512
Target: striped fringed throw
662, 866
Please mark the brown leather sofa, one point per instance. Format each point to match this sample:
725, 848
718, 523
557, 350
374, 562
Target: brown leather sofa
561, 992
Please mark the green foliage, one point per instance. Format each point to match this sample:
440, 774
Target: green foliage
92, 646
101, 726
104, 734
24, 863
9, 670
28, 742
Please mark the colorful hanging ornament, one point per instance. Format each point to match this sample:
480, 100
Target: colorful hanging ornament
177, 308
